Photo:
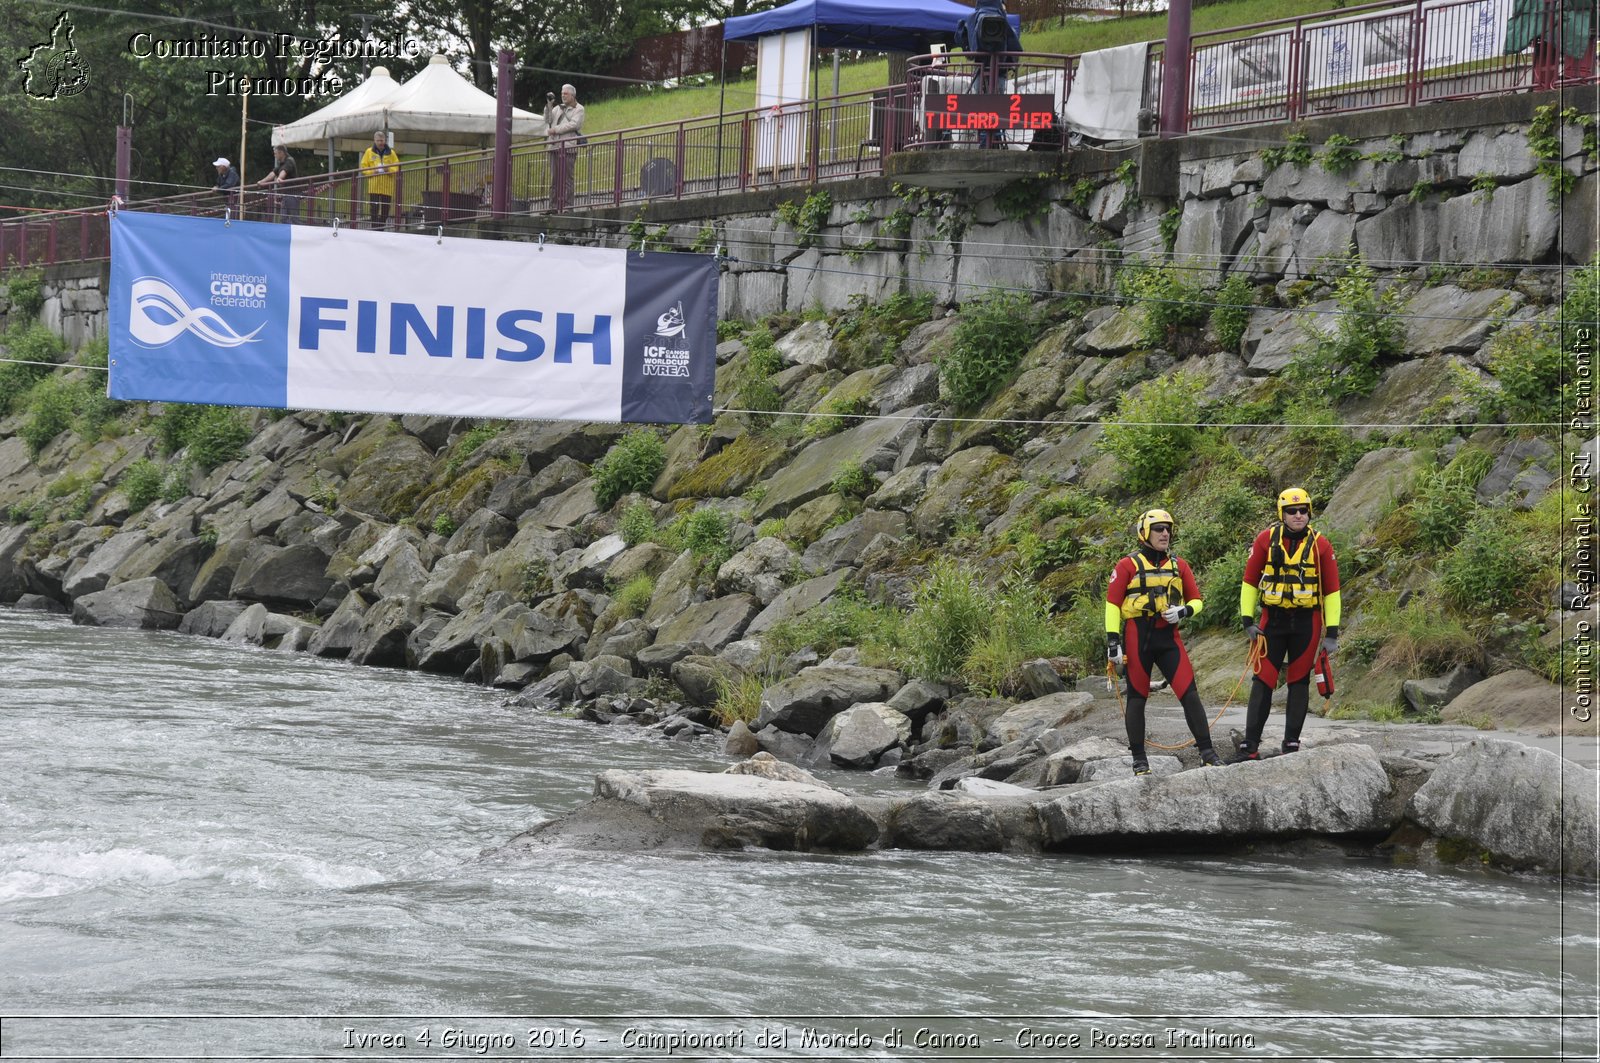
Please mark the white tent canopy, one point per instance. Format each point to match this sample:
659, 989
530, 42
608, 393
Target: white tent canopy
312, 131
437, 108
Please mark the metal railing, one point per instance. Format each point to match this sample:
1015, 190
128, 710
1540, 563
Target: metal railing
1355, 59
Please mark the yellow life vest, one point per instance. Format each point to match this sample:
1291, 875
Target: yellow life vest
1290, 581
1153, 588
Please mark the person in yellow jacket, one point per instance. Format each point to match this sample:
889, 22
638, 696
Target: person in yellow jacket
1289, 605
1150, 594
379, 164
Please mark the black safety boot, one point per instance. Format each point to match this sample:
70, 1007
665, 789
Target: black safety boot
1246, 752
1141, 766
1291, 747
1209, 759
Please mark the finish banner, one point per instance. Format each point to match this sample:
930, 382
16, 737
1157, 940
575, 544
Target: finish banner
288, 316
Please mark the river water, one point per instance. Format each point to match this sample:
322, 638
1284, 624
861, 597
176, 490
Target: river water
215, 851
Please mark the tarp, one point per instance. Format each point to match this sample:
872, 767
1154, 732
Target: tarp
436, 107
873, 25
1106, 92
290, 316
312, 131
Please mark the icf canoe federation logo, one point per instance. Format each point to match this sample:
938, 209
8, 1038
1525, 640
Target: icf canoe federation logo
53, 69
159, 314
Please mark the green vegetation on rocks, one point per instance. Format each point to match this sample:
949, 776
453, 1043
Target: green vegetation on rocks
990, 339
631, 465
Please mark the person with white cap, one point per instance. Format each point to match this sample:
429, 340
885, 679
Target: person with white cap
564, 130
227, 178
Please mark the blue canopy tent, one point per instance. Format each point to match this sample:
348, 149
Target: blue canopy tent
862, 25
868, 25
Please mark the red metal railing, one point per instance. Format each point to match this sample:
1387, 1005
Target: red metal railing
1355, 59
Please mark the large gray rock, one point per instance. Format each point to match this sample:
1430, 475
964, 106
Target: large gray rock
555, 625
1448, 320
695, 810
1421, 389
291, 576
1380, 477
861, 734
602, 676
1066, 765
1032, 718
402, 575
384, 633
145, 603
1516, 699
798, 600
587, 568
804, 703
1333, 790
810, 344
172, 559
843, 546
1518, 455
768, 766
341, 631
259, 626
95, 572
1514, 223
1523, 806
713, 624
701, 678
1111, 769
873, 444
911, 386
448, 582
1435, 692
759, 570
485, 531
950, 821
12, 543
564, 510
210, 619
967, 487
1501, 154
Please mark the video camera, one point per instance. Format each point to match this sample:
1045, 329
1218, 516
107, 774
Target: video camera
989, 30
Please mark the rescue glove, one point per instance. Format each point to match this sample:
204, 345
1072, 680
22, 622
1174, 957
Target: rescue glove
1114, 651
1330, 641
1174, 613
1252, 630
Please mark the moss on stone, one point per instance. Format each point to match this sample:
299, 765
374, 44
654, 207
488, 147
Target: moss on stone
730, 470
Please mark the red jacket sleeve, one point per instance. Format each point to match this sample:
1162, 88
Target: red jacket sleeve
1327, 567
1120, 575
1191, 589
1258, 557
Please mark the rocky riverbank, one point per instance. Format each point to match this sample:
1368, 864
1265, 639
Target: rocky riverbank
1495, 801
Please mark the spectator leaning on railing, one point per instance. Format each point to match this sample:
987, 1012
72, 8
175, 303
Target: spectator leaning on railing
227, 181
282, 171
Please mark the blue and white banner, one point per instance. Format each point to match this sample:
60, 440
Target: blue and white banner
287, 316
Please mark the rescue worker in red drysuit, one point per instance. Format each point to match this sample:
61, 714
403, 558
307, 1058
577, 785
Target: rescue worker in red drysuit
1290, 602
1151, 592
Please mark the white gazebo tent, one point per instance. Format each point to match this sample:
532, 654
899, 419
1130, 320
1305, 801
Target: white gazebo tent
315, 129
437, 108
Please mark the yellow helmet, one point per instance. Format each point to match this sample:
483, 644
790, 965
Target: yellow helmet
1148, 519
1293, 496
